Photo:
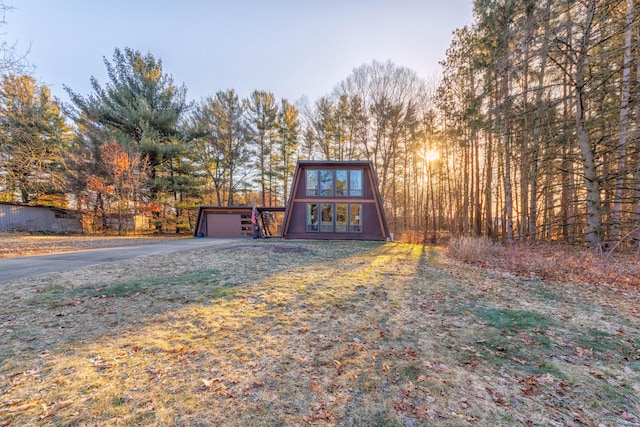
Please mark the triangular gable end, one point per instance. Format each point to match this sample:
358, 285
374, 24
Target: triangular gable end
335, 200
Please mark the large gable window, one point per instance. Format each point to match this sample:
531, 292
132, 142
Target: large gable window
356, 218
327, 218
341, 217
342, 183
330, 183
334, 217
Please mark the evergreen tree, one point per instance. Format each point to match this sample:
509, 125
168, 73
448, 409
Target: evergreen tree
222, 142
288, 142
33, 140
262, 113
142, 109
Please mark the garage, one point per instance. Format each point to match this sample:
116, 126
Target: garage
228, 225
239, 221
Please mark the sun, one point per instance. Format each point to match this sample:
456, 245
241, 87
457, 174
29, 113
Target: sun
431, 155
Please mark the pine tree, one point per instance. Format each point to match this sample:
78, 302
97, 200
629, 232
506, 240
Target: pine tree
288, 142
262, 113
142, 109
33, 140
222, 142
140, 105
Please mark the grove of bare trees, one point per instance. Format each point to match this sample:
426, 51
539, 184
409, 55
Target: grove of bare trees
543, 103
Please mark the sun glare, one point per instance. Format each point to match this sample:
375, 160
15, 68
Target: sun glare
431, 155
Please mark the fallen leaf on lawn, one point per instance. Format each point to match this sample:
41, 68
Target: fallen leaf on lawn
420, 411
209, 381
584, 352
520, 361
57, 408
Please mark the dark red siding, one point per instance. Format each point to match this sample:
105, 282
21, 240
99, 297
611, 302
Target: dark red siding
373, 223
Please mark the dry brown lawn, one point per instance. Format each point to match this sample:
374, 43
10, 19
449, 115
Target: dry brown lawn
22, 244
315, 333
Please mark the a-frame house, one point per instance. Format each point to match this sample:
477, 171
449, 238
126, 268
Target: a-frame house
335, 200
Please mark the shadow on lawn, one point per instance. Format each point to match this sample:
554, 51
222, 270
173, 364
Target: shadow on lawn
339, 333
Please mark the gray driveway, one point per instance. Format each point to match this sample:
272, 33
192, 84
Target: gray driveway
18, 268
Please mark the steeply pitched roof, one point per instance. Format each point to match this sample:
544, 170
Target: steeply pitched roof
347, 164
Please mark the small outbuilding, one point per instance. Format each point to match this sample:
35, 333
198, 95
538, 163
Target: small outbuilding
37, 218
335, 200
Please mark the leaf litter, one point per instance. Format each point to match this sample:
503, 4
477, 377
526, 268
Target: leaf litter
314, 333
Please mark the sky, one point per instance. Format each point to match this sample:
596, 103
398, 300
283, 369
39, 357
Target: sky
293, 48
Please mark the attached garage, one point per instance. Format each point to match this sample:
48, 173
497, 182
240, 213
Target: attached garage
238, 221
228, 225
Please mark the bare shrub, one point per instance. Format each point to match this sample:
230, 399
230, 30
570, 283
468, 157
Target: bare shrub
549, 261
409, 236
474, 249
416, 237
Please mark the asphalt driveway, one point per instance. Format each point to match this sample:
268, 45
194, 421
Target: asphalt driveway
18, 268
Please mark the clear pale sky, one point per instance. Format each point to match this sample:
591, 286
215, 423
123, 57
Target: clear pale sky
292, 48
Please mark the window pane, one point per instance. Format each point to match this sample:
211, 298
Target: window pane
327, 218
312, 182
326, 183
356, 218
341, 218
355, 183
341, 183
312, 217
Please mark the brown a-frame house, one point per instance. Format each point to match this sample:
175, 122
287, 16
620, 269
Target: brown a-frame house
333, 200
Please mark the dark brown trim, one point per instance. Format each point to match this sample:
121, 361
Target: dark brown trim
294, 186
376, 195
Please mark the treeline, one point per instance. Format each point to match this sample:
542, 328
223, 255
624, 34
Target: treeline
541, 99
531, 134
136, 146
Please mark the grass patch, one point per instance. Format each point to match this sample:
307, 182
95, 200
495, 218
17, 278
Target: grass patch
514, 320
200, 281
517, 338
226, 291
606, 346
548, 367
411, 372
